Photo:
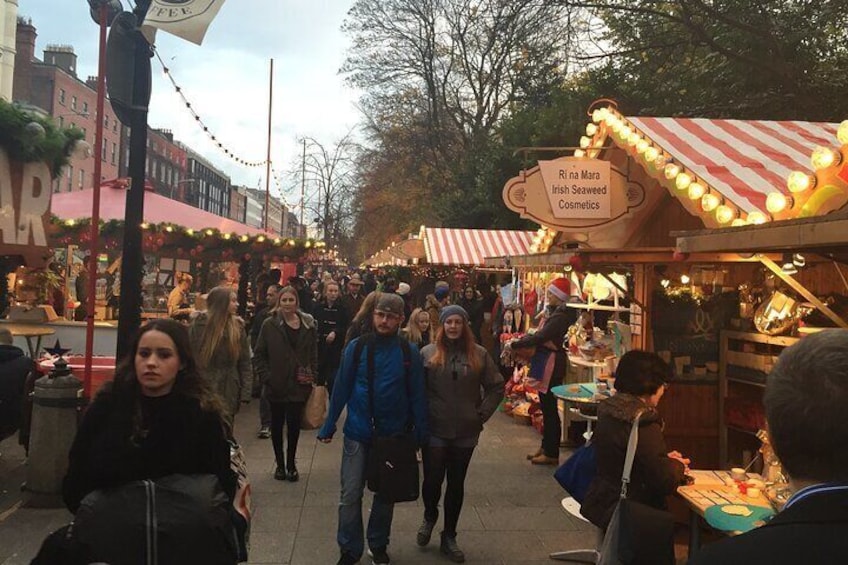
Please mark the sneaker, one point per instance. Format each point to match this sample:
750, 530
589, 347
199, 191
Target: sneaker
280, 473
347, 559
264, 432
544, 460
424, 532
451, 549
379, 556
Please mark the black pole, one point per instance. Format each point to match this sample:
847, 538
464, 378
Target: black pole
132, 262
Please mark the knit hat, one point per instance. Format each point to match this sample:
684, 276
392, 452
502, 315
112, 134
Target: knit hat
391, 303
442, 284
452, 310
441, 293
561, 288
403, 289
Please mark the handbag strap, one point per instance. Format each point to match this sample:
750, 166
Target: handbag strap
632, 443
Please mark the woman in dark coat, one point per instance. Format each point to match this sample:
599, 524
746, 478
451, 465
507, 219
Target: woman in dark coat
473, 304
332, 321
286, 360
549, 338
640, 381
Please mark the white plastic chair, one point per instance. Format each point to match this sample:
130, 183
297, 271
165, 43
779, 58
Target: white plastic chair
577, 555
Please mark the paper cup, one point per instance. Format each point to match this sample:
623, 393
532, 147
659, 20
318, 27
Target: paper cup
738, 474
753, 492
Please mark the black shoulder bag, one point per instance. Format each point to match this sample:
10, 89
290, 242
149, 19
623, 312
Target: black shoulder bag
392, 468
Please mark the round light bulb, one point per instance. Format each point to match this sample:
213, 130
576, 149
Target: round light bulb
695, 190
824, 157
710, 202
585, 142
671, 171
633, 139
626, 132
597, 116
617, 126
798, 181
651, 154
610, 119
756, 217
777, 202
600, 292
682, 181
738, 222
842, 133
579, 153
685, 279
642, 145
591, 129
724, 214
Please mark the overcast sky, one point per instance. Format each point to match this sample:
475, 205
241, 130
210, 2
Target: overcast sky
226, 79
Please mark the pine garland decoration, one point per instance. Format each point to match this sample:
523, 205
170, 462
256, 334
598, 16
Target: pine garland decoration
26, 144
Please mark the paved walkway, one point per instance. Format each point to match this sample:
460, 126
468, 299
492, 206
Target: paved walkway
512, 512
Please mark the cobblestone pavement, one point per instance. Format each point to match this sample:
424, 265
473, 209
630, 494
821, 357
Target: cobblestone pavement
512, 512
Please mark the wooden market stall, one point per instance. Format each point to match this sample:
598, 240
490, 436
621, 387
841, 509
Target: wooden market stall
617, 203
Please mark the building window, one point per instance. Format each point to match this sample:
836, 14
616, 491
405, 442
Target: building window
114, 151
73, 102
62, 96
82, 179
106, 122
103, 153
61, 121
85, 107
115, 126
70, 178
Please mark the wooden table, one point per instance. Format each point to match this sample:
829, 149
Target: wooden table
30, 331
712, 488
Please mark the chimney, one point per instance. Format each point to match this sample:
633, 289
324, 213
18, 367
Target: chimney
61, 56
24, 54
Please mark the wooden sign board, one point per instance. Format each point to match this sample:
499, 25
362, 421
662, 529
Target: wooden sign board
24, 209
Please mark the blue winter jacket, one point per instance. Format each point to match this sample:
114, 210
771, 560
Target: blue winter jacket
391, 403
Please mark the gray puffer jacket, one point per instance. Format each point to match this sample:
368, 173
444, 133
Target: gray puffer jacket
460, 401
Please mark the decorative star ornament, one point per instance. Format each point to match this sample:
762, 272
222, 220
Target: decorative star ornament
57, 350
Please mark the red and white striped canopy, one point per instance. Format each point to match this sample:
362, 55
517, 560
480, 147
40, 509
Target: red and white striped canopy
448, 246
744, 160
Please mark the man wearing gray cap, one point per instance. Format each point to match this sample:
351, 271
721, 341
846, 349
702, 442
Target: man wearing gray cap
399, 397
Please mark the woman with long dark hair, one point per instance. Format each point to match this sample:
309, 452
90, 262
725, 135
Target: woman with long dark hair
464, 388
222, 350
286, 360
158, 417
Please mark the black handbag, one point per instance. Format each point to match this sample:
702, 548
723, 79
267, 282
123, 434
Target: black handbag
637, 534
392, 467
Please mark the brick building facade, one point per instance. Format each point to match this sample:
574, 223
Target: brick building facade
166, 164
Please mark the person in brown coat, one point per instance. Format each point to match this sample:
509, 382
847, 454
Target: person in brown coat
286, 360
640, 381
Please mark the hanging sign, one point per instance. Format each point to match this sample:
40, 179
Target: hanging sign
577, 187
24, 209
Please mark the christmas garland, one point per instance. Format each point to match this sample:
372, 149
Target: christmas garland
28, 138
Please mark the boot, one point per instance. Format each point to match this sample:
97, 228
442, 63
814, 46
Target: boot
280, 473
292, 475
451, 549
536, 454
544, 460
424, 532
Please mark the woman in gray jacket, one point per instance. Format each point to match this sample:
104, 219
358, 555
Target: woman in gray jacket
464, 388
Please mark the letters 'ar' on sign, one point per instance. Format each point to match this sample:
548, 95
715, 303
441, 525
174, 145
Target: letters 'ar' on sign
24, 208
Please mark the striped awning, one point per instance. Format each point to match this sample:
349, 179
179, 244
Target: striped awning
744, 160
454, 246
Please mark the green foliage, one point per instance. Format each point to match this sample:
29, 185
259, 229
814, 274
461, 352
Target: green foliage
24, 145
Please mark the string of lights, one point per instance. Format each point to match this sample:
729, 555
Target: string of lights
200, 122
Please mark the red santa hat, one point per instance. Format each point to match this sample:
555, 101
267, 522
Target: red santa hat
561, 288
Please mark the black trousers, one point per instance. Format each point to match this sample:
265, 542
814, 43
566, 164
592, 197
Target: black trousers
441, 462
552, 424
290, 414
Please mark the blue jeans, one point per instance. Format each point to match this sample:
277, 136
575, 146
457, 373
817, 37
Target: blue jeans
350, 538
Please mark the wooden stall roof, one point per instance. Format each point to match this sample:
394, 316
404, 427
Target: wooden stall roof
611, 257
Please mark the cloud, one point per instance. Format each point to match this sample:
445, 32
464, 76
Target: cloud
226, 79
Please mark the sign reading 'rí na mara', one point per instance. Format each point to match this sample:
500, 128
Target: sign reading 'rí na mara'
578, 188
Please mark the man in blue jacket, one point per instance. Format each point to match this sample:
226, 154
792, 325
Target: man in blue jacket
396, 403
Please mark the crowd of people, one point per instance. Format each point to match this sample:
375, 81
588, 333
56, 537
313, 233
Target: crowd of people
403, 368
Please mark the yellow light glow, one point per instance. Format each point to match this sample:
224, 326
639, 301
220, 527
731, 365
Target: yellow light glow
756, 217
610, 119
169, 229
651, 154
209, 232
634, 139
685, 279
291, 242
626, 132
227, 236
308, 244
617, 126
260, 239
642, 145
277, 241
579, 153
696, 190
683, 180
709, 202
585, 142
597, 116
824, 157
798, 181
842, 133
71, 223
189, 231
777, 202
671, 171
738, 222
591, 129
724, 214
243, 238
144, 225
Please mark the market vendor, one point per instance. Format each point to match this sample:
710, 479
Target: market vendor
179, 307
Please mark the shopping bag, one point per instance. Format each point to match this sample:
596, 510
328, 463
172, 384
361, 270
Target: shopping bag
392, 468
315, 411
638, 534
576, 474
242, 503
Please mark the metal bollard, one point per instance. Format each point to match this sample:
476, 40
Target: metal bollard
56, 400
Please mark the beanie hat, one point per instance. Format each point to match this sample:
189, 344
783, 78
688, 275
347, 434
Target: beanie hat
391, 303
441, 293
561, 288
442, 284
452, 310
403, 289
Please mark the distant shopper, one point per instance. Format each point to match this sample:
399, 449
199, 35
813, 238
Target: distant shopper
354, 297
440, 298
403, 290
805, 399
363, 321
418, 329
286, 359
332, 321
396, 403
81, 289
179, 307
464, 389
264, 312
221, 347
15, 366
473, 304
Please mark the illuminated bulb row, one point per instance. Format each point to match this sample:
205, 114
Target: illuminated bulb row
842, 133
824, 157
777, 202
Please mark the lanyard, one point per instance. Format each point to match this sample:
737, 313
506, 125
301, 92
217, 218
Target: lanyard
814, 489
